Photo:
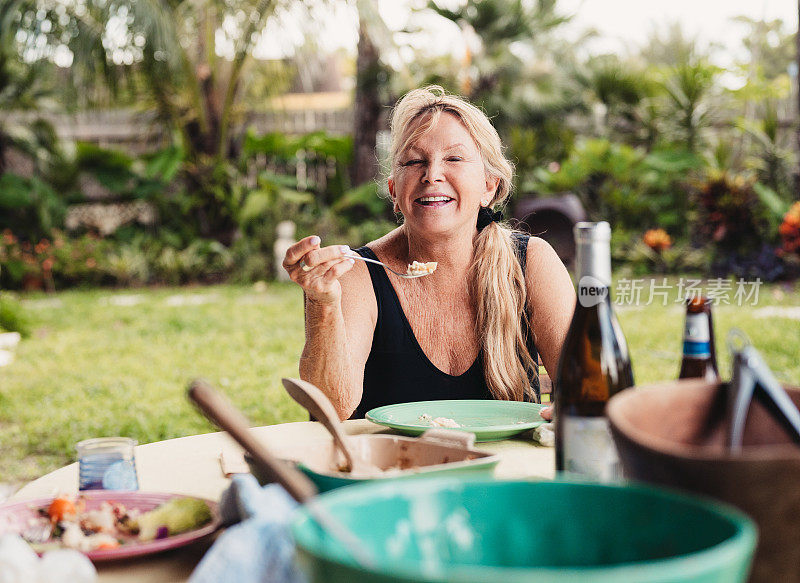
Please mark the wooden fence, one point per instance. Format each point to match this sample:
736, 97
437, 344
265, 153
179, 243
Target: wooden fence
138, 132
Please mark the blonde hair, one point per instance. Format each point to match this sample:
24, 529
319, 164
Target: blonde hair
496, 279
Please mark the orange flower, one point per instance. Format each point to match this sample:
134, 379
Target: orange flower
91, 263
657, 239
790, 230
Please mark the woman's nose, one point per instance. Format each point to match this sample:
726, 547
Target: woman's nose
433, 172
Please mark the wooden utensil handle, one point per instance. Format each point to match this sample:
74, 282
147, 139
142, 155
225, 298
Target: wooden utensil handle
317, 403
223, 414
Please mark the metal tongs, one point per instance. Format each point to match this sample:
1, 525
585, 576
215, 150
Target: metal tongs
752, 377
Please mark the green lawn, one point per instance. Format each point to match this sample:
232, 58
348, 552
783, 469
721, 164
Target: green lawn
104, 362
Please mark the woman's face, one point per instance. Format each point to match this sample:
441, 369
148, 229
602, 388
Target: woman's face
440, 182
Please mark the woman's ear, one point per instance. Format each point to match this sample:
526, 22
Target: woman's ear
390, 183
492, 182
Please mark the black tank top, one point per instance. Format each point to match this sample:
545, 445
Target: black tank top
397, 369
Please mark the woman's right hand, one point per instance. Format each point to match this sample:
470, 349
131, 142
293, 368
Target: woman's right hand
318, 269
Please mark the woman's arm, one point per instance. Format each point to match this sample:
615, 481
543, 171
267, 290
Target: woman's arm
340, 316
551, 300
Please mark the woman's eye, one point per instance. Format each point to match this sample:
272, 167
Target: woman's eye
454, 159
412, 162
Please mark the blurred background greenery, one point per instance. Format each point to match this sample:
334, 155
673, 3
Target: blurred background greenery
160, 142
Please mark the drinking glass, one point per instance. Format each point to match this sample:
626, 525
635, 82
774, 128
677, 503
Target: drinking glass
107, 463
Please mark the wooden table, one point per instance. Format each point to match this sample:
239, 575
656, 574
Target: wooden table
191, 466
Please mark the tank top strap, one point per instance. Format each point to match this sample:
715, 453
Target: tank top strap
520, 241
380, 281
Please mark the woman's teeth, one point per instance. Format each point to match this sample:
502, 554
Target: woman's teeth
432, 199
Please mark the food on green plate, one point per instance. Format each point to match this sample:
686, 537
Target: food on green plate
439, 421
172, 517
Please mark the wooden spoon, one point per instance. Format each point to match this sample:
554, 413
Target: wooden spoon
317, 403
223, 414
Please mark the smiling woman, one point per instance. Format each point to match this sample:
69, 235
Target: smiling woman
474, 328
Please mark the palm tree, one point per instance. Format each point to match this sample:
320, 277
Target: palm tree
771, 158
367, 102
688, 87
190, 57
21, 88
621, 90
514, 37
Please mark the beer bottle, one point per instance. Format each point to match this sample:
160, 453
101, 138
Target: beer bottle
699, 356
594, 365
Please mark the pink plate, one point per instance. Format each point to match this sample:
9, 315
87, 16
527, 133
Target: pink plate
14, 518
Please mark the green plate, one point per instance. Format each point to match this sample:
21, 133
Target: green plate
488, 420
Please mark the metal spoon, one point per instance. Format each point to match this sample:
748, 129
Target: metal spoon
405, 275
321, 408
223, 414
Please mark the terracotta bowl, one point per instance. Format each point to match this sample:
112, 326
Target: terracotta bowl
673, 434
437, 451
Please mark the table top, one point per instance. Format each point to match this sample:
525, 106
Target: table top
191, 466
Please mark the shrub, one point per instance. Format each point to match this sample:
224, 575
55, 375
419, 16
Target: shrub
734, 223
729, 212
624, 185
128, 266
655, 252
80, 260
29, 207
24, 264
13, 317
202, 260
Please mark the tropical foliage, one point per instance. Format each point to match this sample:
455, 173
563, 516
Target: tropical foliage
659, 139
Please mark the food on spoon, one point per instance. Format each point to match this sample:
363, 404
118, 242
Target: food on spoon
419, 268
172, 517
439, 421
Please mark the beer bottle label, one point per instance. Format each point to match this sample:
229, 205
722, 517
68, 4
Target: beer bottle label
697, 336
589, 449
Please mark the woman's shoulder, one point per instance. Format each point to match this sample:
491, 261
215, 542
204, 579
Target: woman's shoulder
541, 256
537, 244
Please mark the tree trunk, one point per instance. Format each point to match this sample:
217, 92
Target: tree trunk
3, 148
367, 111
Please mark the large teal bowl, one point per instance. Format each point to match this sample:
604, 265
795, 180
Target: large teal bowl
443, 529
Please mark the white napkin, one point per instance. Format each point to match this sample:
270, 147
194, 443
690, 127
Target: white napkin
544, 435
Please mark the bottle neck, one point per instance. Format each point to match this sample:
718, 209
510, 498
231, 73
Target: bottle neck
593, 263
593, 259
697, 336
